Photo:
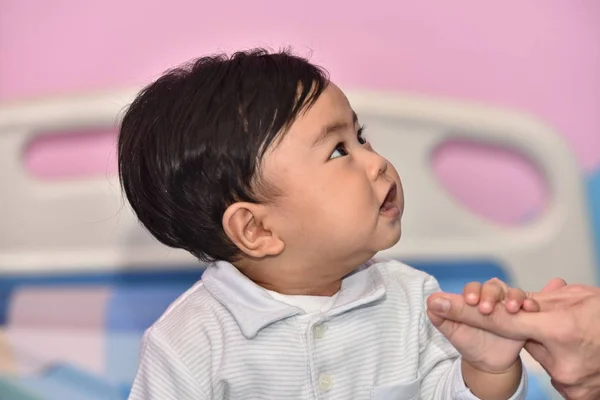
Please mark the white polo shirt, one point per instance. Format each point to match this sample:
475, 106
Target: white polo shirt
228, 338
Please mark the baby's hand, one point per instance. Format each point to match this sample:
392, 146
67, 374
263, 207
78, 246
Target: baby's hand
483, 350
495, 291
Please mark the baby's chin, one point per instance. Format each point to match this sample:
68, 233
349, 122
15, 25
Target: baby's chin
391, 241
384, 245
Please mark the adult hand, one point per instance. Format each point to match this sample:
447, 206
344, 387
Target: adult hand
564, 336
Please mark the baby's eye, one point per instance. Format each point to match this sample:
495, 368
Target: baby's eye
360, 135
339, 151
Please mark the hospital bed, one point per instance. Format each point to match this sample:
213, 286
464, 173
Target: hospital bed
80, 280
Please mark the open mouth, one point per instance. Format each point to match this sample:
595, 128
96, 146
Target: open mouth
389, 202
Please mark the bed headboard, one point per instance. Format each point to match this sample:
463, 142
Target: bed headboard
86, 226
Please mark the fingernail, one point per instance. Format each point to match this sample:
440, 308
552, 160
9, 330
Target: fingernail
440, 305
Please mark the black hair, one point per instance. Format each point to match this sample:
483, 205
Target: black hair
191, 142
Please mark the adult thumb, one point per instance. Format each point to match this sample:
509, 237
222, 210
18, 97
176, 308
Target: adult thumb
521, 326
554, 284
445, 326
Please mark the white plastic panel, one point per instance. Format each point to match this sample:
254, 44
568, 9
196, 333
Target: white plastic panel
85, 225
408, 129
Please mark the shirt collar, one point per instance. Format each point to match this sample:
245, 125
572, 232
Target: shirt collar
253, 308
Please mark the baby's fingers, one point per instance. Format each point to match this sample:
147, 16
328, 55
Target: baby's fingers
515, 298
472, 293
492, 293
531, 305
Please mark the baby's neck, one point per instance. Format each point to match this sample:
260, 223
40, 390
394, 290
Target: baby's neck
300, 277
290, 281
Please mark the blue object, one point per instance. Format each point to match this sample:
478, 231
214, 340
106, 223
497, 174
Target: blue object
65, 382
135, 308
538, 388
11, 389
182, 278
122, 357
452, 275
594, 204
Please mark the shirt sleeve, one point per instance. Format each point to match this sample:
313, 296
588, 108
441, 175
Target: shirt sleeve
162, 375
440, 363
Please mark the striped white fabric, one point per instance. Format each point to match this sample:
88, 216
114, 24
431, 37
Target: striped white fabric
227, 338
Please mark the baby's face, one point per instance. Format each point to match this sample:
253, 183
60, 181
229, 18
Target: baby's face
341, 201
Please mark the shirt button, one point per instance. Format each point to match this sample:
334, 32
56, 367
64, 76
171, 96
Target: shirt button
319, 331
325, 382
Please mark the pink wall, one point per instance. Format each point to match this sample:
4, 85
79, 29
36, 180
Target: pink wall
539, 56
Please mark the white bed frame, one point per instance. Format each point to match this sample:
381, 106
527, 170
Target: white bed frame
83, 226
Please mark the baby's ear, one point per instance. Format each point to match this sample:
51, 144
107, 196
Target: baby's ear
244, 225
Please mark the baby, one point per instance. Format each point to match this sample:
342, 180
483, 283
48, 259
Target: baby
257, 164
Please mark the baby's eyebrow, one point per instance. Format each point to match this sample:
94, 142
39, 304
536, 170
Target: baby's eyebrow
332, 128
